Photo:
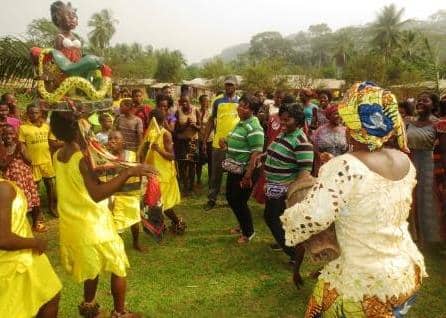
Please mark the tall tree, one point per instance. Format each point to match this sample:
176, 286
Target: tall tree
42, 32
170, 66
386, 29
103, 24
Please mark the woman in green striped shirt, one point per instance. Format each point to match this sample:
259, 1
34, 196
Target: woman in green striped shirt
288, 156
244, 144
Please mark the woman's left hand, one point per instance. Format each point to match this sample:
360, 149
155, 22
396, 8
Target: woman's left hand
246, 182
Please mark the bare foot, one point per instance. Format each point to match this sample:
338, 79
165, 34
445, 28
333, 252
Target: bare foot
139, 248
298, 281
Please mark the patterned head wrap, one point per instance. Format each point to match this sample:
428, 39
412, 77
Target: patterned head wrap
371, 114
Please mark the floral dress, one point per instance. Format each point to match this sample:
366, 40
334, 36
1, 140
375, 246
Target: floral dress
21, 173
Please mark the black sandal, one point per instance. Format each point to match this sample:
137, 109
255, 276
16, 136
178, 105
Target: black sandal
89, 310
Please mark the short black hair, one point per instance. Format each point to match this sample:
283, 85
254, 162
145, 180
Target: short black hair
294, 110
161, 97
252, 102
434, 98
31, 106
158, 114
325, 92
408, 107
64, 126
289, 99
202, 97
184, 87
4, 96
136, 91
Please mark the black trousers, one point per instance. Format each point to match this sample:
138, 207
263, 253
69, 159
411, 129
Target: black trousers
274, 208
238, 201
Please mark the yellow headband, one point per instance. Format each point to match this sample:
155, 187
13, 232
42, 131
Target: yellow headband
371, 114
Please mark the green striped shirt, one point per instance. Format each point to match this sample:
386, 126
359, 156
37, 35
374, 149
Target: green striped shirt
246, 137
287, 156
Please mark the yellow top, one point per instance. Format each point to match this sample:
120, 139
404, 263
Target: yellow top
36, 142
20, 227
170, 191
79, 213
226, 117
24, 276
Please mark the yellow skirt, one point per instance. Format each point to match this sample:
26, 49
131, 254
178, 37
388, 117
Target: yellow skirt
84, 262
170, 193
22, 293
126, 211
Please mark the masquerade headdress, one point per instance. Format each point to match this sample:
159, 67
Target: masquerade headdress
371, 114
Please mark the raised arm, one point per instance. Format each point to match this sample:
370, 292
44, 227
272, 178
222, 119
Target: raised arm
10, 241
322, 204
100, 191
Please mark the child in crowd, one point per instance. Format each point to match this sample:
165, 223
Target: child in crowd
29, 285
10, 100
5, 119
106, 122
125, 203
89, 243
129, 125
16, 167
186, 143
141, 110
36, 137
161, 156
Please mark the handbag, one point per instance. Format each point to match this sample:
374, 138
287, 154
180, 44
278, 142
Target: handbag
232, 166
323, 246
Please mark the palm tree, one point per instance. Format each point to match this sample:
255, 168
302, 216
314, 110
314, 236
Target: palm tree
103, 24
386, 29
15, 64
409, 43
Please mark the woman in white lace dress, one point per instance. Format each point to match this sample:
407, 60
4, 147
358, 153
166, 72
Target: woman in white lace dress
367, 193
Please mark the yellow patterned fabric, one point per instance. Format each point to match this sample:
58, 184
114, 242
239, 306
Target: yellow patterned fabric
328, 303
89, 243
24, 276
371, 115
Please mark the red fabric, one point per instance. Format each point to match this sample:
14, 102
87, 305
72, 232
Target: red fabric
106, 70
143, 112
19, 172
73, 54
153, 192
274, 128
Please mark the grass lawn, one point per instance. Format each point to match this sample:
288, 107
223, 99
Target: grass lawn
205, 274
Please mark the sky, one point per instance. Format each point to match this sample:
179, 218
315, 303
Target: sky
202, 28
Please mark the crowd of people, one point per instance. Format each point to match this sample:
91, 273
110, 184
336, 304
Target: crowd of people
263, 144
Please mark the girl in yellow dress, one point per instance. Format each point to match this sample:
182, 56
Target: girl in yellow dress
89, 243
161, 156
125, 203
29, 286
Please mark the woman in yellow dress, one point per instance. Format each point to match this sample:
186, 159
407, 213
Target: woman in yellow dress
29, 286
161, 156
89, 243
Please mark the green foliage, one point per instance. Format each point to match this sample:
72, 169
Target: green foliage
170, 66
191, 72
103, 24
132, 60
263, 75
42, 32
15, 63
